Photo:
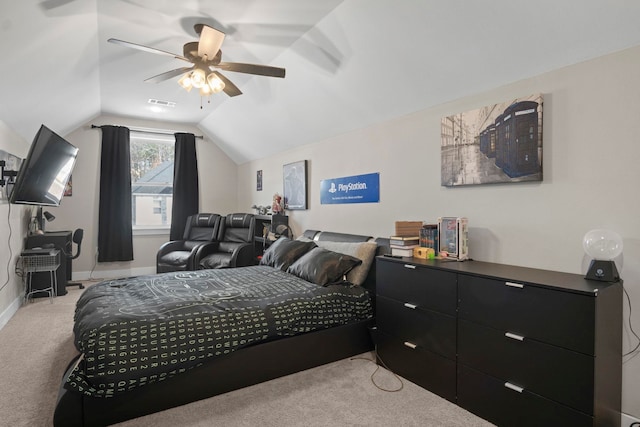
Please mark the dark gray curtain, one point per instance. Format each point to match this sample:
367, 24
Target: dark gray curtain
185, 184
115, 241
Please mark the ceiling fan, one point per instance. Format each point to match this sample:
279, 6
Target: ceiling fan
206, 58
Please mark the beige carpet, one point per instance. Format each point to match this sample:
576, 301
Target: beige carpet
36, 345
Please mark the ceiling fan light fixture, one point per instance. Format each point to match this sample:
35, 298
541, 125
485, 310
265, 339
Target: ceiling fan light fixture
205, 90
204, 55
198, 78
185, 82
215, 83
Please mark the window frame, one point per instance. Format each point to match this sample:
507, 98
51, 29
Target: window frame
151, 229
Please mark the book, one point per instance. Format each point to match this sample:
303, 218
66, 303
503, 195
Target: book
404, 251
408, 228
404, 241
414, 245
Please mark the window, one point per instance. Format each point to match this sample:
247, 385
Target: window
157, 205
151, 180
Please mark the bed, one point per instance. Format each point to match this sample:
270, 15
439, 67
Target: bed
154, 342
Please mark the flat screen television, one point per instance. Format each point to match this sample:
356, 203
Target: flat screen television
44, 173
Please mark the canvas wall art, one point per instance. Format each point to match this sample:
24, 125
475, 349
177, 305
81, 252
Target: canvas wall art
499, 143
295, 185
259, 180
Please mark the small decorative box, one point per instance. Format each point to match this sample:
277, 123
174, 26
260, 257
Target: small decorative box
424, 253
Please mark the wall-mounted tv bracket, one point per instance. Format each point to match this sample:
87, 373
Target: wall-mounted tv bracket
8, 174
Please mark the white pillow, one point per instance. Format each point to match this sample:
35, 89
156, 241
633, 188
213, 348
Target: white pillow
365, 251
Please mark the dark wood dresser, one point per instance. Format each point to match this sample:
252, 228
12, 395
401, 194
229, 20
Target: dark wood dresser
514, 345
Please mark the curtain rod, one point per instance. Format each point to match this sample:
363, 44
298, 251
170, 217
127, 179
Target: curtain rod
143, 130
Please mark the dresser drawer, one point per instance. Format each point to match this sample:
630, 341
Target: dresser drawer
427, 329
557, 317
494, 401
424, 368
428, 288
559, 374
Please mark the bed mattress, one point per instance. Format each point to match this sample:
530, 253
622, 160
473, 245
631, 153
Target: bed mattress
140, 330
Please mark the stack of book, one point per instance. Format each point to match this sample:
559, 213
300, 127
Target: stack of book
403, 245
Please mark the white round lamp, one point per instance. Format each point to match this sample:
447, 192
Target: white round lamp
603, 246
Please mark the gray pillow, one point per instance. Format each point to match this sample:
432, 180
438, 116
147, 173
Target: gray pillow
283, 252
364, 251
323, 267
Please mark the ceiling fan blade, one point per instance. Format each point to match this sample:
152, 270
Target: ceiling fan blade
146, 49
261, 70
229, 88
168, 75
210, 42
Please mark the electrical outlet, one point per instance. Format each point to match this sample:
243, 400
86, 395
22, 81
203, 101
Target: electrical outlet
628, 421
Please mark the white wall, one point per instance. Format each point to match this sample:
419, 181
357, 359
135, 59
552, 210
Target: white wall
591, 174
12, 231
217, 194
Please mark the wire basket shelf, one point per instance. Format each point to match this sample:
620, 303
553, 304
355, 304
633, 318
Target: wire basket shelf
44, 262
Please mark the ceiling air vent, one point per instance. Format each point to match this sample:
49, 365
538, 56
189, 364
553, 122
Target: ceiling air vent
162, 103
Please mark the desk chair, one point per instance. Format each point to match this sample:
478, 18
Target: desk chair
77, 239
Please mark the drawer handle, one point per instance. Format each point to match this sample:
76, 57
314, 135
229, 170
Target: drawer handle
514, 387
514, 285
413, 267
514, 336
411, 306
411, 345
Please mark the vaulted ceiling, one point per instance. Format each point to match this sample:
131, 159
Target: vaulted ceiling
349, 63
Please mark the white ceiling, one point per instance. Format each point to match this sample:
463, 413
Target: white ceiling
350, 63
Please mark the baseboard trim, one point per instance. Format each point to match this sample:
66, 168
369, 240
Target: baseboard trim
628, 420
8, 313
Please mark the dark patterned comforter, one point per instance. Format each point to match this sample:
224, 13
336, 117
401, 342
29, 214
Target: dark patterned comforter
141, 330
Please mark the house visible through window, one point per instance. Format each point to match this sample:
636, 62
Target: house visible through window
151, 180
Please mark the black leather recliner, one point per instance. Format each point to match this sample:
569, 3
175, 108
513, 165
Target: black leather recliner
181, 255
235, 245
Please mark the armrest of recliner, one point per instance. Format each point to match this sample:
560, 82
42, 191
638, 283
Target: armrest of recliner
246, 255
202, 251
174, 245
242, 254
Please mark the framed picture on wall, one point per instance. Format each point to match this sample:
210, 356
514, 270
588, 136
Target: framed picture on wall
259, 180
295, 185
499, 143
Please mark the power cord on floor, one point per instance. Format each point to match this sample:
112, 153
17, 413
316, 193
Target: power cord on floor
373, 380
635, 424
10, 249
95, 264
632, 331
